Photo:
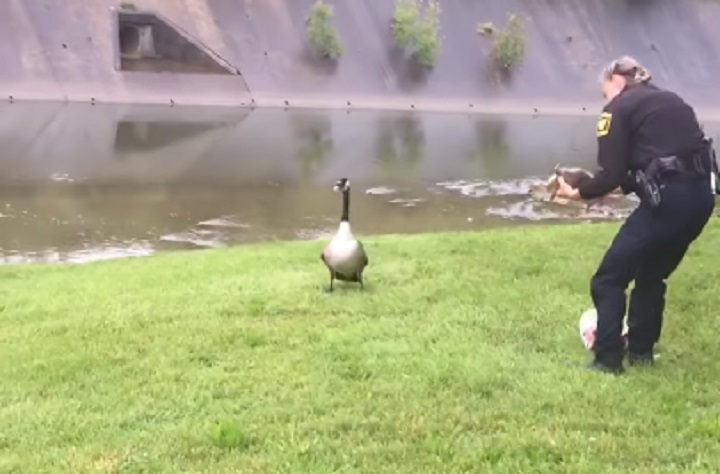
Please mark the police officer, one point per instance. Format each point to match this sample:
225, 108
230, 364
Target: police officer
649, 143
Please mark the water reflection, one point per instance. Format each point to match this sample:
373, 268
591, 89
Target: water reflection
313, 136
139, 136
400, 144
491, 146
80, 182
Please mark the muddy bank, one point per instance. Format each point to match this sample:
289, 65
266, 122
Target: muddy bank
72, 50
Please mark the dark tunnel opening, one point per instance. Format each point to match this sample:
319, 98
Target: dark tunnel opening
129, 40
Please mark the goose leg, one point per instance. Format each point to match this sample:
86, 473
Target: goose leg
332, 280
360, 280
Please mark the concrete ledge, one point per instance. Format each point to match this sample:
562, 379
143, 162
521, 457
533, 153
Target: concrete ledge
425, 105
379, 103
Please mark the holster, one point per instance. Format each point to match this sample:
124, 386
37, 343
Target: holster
647, 189
701, 164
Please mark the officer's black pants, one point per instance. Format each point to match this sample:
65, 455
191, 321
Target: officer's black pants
648, 248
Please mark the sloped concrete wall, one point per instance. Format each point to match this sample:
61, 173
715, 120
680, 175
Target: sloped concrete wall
65, 50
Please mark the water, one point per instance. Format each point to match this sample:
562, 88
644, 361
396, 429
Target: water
82, 182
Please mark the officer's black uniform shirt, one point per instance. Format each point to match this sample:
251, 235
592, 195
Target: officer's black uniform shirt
641, 123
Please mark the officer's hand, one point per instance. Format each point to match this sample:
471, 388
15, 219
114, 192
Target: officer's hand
566, 191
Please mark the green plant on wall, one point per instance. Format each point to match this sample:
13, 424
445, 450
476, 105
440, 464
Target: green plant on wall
405, 20
508, 48
428, 36
322, 33
420, 35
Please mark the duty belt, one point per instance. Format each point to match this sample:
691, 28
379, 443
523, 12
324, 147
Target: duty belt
673, 169
670, 169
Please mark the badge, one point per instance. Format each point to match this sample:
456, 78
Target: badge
603, 124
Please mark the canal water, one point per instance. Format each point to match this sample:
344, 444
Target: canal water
81, 182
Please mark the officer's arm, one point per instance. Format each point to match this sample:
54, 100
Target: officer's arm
613, 146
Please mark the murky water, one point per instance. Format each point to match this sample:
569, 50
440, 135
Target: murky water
83, 182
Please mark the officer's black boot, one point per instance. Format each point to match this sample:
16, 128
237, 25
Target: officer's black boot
608, 363
641, 358
640, 353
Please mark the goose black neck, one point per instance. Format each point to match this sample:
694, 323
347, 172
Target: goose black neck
345, 206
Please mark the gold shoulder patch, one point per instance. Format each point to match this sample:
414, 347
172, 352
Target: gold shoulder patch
603, 124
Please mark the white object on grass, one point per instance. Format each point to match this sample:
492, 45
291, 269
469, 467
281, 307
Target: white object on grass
587, 326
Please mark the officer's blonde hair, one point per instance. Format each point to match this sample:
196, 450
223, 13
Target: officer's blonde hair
629, 68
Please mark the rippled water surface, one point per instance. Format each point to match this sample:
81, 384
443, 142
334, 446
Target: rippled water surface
82, 182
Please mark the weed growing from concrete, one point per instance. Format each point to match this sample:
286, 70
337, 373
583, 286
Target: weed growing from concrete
508, 47
428, 37
420, 35
405, 20
321, 33
128, 6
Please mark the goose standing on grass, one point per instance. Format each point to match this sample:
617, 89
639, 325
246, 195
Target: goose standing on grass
344, 255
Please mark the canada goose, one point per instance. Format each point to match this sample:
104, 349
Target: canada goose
344, 255
574, 177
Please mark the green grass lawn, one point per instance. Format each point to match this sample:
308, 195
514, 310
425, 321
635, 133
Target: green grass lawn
462, 355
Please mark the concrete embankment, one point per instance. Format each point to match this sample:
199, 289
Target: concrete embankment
70, 50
